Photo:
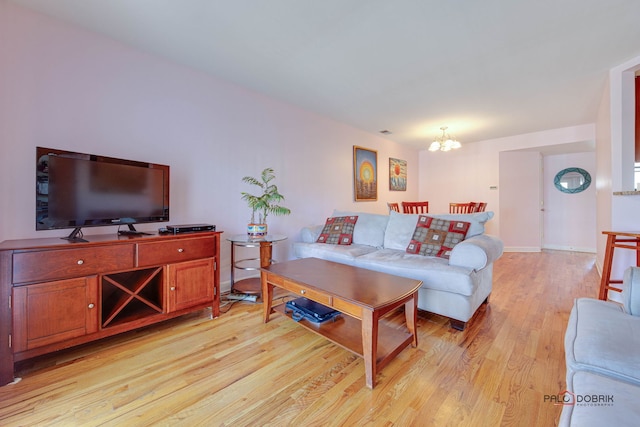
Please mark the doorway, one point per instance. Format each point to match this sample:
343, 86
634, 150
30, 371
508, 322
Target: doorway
569, 219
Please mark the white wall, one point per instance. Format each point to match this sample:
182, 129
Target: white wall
616, 147
459, 176
63, 87
470, 172
66, 88
569, 219
603, 181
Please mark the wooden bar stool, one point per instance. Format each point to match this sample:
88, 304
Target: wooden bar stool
616, 239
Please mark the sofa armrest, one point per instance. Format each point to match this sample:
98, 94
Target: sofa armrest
476, 252
631, 291
310, 234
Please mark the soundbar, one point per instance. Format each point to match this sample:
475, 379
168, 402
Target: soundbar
190, 228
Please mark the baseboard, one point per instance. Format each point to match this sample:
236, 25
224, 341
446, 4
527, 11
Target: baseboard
550, 247
569, 248
522, 249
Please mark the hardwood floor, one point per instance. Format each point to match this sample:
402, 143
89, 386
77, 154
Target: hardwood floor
235, 370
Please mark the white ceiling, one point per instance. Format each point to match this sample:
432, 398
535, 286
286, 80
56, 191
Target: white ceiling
487, 69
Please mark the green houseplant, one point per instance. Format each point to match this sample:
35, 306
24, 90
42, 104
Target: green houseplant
264, 203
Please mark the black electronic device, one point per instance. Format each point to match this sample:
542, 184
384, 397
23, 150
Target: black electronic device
75, 190
190, 228
304, 308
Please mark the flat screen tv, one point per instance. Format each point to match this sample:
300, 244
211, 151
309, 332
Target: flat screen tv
75, 190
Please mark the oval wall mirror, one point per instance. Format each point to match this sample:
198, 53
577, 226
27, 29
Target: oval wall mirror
572, 180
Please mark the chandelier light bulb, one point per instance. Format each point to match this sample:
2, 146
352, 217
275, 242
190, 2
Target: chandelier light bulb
444, 142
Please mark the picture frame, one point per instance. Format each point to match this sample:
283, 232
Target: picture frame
397, 174
365, 174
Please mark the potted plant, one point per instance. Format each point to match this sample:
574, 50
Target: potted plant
263, 204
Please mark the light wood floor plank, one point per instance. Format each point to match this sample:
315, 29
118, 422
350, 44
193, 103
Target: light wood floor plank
235, 370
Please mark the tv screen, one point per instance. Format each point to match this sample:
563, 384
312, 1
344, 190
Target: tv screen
76, 190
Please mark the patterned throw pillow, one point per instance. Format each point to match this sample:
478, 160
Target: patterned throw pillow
437, 237
338, 230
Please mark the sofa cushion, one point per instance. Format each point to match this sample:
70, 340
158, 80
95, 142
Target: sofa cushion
310, 234
602, 338
435, 273
400, 227
599, 401
338, 253
399, 230
436, 236
631, 291
338, 230
369, 229
477, 220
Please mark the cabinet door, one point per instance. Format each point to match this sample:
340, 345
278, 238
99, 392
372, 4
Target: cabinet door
190, 284
51, 312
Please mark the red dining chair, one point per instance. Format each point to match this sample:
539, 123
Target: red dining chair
415, 207
462, 208
481, 206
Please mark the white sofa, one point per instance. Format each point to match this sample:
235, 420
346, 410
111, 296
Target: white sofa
453, 287
602, 349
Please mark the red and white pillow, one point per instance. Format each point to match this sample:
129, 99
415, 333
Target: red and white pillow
437, 237
338, 230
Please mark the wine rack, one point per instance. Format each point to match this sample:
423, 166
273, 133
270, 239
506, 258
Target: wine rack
131, 295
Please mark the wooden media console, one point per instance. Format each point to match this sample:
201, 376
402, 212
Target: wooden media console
55, 294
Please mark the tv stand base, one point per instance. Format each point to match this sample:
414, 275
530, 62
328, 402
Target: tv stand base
73, 237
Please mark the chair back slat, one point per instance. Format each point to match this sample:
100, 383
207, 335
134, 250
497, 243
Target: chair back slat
462, 208
415, 207
394, 207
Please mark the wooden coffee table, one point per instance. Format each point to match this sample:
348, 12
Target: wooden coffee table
364, 296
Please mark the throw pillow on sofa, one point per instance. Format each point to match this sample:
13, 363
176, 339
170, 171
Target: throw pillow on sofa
400, 227
338, 230
370, 227
436, 236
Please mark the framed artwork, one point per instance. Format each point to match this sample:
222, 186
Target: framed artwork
397, 175
365, 174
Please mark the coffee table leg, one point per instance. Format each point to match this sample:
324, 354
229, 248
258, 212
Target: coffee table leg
267, 296
411, 317
370, 346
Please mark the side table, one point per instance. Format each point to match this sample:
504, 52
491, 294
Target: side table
251, 286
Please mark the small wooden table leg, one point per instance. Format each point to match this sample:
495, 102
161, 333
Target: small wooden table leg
370, 346
267, 296
411, 317
266, 251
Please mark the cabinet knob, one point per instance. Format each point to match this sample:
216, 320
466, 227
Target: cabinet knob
91, 305
80, 262
173, 288
180, 250
303, 292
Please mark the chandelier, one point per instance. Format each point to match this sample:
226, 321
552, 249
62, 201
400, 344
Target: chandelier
444, 142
